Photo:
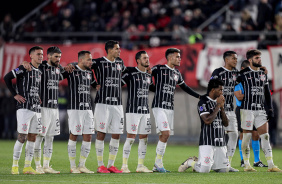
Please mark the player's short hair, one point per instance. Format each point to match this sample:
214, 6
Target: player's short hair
32, 49
228, 53
171, 51
82, 53
138, 54
110, 45
53, 49
245, 64
251, 53
214, 83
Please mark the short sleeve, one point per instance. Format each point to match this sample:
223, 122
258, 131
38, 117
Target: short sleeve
19, 72
202, 108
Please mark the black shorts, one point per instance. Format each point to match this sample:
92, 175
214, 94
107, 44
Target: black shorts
237, 112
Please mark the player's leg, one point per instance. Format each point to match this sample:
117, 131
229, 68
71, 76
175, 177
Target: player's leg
132, 125
116, 128
17, 152
220, 160
143, 131
237, 112
256, 149
247, 119
34, 129
262, 127
37, 153
52, 129
101, 125
162, 128
75, 123
205, 162
87, 130
232, 137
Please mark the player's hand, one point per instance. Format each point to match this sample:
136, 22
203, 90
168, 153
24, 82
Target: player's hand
220, 100
149, 70
69, 68
98, 87
40, 101
264, 69
27, 65
19, 98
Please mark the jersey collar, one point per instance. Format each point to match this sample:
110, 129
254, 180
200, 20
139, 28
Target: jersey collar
140, 70
169, 67
226, 69
109, 60
211, 99
254, 70
79, 68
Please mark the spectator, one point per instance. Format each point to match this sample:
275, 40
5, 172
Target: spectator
6, 28
264, 14
163, 20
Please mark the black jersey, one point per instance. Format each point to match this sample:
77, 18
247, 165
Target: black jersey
229, 78
108, 75
212, 134
138, 83
254, 84
28, 86
51, 76
79, 82
166, 79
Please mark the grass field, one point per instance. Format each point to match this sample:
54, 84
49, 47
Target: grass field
174, 156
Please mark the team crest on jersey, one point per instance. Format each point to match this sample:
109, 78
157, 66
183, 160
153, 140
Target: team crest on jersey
88, 76
207, 160
262, 77
57, 71
118, 67
248, 123
134, 127
78, 128
24, 127
175, 77
165, 124
102, 125
234, 77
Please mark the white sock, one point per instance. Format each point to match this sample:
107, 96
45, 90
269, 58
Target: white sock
17, 153
265, 145
48, 150
84, 152
246, 147
160, 150
126, 150
231, 145
29, 152
37, 150
142, 149
99, 145
72, 152
113, 150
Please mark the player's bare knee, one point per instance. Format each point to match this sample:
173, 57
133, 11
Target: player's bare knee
31, 137
115, 136
255, 136
22, 138
100, 136
87, 137
132, 136
143, 136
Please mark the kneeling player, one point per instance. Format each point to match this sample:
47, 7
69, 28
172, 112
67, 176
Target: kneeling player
212, 149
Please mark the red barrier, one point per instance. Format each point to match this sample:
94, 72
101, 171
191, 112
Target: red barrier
15, 53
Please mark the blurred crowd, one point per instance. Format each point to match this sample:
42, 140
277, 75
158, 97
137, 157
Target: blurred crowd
150, 16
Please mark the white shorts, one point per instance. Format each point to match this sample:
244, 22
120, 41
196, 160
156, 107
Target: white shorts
109, 118
138, 123
214, 157
233, 124
50, 122
164, 120
250, 118
81, 122
28, 122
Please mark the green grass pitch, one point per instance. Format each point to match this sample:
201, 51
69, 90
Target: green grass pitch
174, 156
